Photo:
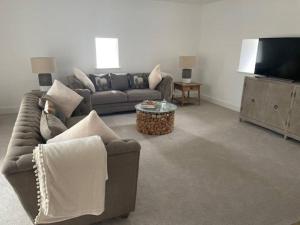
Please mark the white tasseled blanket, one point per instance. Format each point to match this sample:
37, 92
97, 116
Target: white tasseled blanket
71, 177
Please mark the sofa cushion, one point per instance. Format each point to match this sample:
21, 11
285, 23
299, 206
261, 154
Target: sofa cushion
101, 81
51, 126
73, 120
136, 95
51, 108
138, 80
85, 105
106, 97
119, 82
74, 83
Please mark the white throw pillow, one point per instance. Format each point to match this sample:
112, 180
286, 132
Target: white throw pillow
65, 98
89, 126
155, 77
84, 79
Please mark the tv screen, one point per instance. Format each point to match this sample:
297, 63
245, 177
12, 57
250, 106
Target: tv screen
278, 57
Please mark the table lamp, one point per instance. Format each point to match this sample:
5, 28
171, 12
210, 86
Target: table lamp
187, 63
44, 66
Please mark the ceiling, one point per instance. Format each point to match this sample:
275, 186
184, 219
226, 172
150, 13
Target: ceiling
191, 1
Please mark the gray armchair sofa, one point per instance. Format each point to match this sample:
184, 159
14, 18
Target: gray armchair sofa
122, 99
123, 164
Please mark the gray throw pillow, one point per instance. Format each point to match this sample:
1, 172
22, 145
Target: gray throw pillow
53, 108
101, 81
119, 82
138, 80
51, 126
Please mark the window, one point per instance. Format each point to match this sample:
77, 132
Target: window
107, 53
248, 56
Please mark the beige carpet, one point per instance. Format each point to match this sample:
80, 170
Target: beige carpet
212, 170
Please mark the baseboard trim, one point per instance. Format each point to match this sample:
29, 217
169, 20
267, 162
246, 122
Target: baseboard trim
220, 102
9, 110
14, 109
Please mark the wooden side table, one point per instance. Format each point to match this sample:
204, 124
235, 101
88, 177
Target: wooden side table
185, 89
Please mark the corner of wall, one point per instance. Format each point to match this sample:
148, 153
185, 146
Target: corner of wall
9, 110
220, 102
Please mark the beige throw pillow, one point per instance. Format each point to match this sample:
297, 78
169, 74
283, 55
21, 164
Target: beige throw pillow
84, 79
154, 77
65, 98
89, 126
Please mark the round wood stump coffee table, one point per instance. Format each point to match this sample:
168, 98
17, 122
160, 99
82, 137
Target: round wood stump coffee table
156, 121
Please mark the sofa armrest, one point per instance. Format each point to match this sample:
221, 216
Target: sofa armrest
74, 83
122, 146
21, 164
122, 163
166, 88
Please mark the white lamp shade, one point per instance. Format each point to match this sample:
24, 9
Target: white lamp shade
43, 65
187, 62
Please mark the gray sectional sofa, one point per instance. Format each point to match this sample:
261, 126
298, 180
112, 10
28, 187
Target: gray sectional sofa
121, 93
122, 163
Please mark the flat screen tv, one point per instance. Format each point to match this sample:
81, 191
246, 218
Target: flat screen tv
279, 58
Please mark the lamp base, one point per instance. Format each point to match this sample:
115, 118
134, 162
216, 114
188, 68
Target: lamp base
44, 88
45, 81
187, 75
184, 80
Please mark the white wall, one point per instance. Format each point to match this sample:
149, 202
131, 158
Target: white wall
149, 33
223, 26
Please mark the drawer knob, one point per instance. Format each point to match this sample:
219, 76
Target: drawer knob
253, 100
275, 107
